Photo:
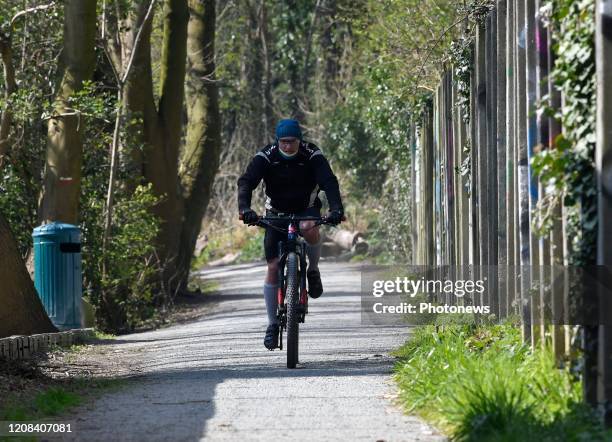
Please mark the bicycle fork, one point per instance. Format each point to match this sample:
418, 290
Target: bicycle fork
280, 295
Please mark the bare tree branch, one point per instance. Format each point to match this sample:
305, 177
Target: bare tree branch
6, 56
29, 10
137, 39
313, 23
118, 121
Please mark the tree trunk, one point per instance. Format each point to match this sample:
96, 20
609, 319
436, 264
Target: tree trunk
21, 312
138, 99
252, 76
329, 46
62, 182
162, 126
162, 163
306, 71
266, 89
294, 66
200, 158
6, 55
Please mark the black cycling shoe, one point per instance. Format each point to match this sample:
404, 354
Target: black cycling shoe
271, 339
315, 287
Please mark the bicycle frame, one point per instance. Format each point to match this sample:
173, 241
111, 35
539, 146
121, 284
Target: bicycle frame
294, 243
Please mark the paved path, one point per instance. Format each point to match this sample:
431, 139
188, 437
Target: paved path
214, 380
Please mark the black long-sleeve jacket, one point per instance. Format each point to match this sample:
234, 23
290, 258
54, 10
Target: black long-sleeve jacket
292, 185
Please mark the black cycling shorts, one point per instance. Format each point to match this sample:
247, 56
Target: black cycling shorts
272, 237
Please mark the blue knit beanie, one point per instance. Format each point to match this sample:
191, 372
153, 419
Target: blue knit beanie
288, 128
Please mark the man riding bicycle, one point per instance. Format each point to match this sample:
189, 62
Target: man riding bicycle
293, 171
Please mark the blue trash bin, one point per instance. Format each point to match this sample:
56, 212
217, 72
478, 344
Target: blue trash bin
57, 272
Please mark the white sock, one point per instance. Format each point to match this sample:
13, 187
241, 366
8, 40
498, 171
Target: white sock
271, 302
314, 253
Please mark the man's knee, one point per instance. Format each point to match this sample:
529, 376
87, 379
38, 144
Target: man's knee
272, 276
310, 232
273, 265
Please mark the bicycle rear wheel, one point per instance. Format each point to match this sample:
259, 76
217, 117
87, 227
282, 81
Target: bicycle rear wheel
292, 297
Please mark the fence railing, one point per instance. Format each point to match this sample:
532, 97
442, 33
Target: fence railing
475, 193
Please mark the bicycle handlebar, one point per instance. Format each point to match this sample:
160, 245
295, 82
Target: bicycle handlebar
261, 221
291, 218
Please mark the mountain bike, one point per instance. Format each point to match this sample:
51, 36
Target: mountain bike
292, 294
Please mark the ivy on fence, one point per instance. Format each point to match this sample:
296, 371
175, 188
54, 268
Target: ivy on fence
568, 169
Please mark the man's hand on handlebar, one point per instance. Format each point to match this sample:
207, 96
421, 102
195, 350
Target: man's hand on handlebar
249, 216
335, 217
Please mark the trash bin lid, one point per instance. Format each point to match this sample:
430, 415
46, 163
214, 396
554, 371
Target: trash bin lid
55, 228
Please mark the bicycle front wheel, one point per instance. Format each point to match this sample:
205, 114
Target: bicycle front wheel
292, 297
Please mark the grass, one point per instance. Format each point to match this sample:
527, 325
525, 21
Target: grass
102, 336
51, 402
480, 383
37, 388
72, 351
53, 399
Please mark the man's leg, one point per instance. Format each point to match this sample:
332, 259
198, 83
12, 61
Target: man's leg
270, 291
313, 250
313, 243
271, 288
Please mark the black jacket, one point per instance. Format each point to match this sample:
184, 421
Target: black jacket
292, 185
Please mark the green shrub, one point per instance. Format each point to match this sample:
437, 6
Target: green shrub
18, 203
121, 281
481, 383
209, 253
253, 248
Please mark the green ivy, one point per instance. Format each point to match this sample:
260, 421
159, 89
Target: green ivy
476, 11
461, 59
568, 168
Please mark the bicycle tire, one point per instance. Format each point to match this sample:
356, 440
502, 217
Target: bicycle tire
292, 297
